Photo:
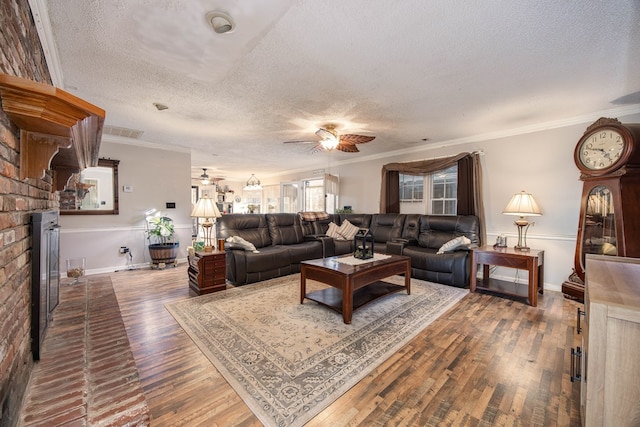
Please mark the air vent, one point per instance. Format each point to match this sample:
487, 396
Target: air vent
124, 132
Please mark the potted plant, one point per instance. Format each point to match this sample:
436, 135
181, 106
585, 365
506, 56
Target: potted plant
162, 249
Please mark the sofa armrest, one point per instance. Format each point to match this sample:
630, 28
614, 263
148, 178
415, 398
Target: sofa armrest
467, 248
328, 246
407, 242
312, 237
396, 246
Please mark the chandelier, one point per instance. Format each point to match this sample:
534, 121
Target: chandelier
253, 183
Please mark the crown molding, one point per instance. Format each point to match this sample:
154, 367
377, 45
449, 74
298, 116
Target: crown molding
40, 13
123, 140
484, 137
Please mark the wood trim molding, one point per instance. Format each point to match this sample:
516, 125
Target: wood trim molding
37, 150
57, 128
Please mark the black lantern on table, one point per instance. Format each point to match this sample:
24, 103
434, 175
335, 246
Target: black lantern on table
363, 244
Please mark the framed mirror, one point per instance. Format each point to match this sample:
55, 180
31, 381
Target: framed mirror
94, 191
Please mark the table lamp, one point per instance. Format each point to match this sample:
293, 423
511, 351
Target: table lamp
522, 204
206, 208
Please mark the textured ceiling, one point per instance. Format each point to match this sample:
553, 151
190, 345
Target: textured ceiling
445, 70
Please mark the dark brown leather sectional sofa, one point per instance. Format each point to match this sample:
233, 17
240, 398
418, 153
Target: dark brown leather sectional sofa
283, 240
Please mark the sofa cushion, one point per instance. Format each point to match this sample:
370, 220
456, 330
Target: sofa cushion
285, 229
251, 227
411, 228
268, 259
386, 227
359, 220
342, 247
320, 226
436, 230
304, 251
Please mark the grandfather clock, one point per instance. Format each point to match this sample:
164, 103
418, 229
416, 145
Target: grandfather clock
608, 158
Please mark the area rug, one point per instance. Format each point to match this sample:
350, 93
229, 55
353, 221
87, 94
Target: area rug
288, 361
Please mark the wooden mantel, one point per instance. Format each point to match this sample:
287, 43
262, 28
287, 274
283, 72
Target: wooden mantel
58, 130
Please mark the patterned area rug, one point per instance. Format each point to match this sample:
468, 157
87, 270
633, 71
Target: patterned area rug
288, 361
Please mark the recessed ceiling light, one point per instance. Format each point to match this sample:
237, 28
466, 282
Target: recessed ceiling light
220, 22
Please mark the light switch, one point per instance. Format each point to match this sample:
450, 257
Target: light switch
127, 188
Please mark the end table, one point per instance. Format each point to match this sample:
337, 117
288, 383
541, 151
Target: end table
207, 272
530, 260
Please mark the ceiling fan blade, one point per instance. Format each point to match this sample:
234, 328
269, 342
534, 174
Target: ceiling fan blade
356, 139
347, 148
300, 142
318, 148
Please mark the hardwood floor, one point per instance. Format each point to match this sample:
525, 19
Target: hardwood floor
488, 361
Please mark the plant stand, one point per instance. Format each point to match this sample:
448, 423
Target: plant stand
163, 255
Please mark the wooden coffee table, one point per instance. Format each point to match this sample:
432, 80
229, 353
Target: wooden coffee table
353, 286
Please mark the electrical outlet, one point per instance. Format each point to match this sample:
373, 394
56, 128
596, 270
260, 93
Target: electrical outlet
124, 249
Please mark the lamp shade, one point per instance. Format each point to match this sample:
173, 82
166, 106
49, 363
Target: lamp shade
522, 204
205, 208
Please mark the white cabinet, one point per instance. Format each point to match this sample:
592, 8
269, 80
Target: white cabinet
610, 387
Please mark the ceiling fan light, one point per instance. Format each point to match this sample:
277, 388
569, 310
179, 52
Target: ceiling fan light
329, 143
204, 178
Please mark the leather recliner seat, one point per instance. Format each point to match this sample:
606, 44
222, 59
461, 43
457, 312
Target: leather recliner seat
422, 244
244, 266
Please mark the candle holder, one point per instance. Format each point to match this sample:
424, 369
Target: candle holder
75, 269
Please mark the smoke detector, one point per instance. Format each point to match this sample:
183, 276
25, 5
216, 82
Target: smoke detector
220, 22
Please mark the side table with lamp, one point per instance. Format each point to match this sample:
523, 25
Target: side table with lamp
520, 257
206, 209
207, 269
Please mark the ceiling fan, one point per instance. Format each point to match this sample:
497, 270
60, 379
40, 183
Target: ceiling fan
329, 140
206, 179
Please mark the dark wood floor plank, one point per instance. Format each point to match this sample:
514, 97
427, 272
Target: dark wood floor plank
488, 361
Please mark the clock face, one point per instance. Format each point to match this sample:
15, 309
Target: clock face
601, 149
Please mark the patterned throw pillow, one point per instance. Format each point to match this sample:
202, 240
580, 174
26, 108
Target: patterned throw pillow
313, 216
332, 231
348, 230
453, 244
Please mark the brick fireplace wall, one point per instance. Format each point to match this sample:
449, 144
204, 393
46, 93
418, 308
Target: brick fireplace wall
20, 55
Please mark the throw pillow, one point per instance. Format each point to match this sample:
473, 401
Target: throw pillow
348, 230
239, 242
313, 216
453, 244
332, 231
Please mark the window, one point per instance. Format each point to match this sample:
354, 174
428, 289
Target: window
444, 191
314, 195
411, 188
435, 194
311, 195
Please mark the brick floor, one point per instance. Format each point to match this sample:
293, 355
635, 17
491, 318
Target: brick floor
86, 375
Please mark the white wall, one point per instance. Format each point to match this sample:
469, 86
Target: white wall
157, 176
539, 162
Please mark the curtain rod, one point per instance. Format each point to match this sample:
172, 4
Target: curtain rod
478, 152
